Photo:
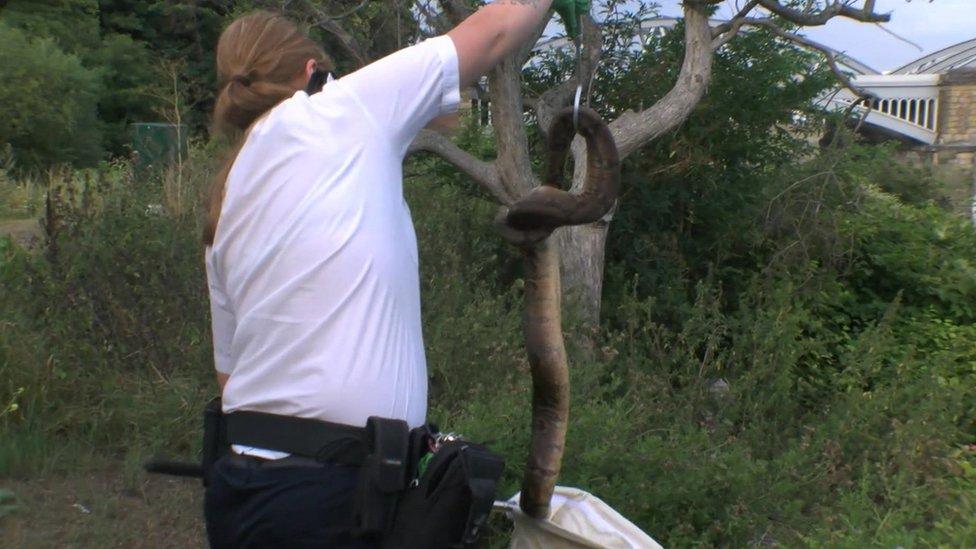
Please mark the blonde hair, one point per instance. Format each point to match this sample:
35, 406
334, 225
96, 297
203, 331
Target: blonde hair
259, 58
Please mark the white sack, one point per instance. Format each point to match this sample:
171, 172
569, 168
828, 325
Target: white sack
577, 520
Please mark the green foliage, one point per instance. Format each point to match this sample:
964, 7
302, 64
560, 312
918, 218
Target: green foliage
132, 82
777, 328
795, 406
72, 24
111, 317
184, 32
42, 121
471, 325
127, 47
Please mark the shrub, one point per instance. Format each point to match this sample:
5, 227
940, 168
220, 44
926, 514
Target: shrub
819, 398
48, 103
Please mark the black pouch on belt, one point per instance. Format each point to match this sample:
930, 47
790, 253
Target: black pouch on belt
450, 501
382, 477
215, 443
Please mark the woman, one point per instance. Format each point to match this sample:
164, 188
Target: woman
312, 259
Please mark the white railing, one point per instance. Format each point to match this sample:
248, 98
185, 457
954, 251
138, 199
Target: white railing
904, 104
922, 112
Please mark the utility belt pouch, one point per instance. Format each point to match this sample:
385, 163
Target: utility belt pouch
215, 443
382, 477
450, 502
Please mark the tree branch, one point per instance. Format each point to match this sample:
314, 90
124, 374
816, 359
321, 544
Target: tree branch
508, 121
633, 130
513, 164
438, 22
484, 173
525, 52
319, 17
730, 25
836, 8
346, 40
805, 42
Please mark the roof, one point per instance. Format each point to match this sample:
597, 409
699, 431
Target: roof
954, 57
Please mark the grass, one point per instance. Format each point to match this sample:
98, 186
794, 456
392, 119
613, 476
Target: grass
20, 198
98, 508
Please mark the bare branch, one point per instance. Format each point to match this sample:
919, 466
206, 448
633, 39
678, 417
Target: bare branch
730, 25
319, 17
508, 121
484, 173
346, 40
897, 36
836, 8
438, 21
525, 52
632, 130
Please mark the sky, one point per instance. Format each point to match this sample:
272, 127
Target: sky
932, 25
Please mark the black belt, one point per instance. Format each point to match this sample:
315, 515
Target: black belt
321, 441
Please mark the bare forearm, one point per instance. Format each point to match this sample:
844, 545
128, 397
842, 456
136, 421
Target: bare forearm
493, 32
518, 19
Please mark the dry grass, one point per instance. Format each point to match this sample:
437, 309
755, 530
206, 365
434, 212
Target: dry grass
98, 509
24, 232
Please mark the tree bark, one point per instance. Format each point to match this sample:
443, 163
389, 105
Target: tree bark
582, 256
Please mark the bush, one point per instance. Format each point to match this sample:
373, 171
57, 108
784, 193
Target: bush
820, 398
109, 324
48, 103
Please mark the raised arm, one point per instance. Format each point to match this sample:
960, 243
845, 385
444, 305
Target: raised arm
494, 31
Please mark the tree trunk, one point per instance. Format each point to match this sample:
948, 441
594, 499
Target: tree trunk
581, 258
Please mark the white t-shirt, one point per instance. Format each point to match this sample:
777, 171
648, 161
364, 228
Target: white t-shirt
313, 274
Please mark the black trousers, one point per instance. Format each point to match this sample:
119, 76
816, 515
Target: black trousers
251, 503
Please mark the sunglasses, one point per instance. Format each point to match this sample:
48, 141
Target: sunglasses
318, 79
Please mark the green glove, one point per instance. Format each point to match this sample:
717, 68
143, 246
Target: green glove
570, 12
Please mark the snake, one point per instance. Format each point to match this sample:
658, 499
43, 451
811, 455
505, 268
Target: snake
528, 223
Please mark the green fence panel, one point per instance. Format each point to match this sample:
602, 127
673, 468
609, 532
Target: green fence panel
158, 145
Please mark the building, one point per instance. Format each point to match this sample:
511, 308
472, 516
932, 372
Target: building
928, 104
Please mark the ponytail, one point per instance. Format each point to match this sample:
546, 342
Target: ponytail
260, 58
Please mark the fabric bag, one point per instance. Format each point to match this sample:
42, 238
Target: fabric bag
450, 502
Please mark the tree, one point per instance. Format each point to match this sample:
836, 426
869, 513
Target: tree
510, 175
122, 41
170, 30
129, 77
72, 24
48, 103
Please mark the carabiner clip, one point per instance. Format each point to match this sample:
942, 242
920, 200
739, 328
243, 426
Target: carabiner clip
579, 86
576, 106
